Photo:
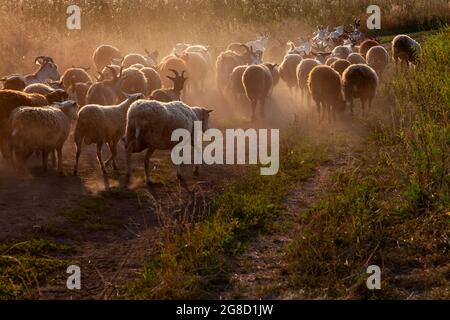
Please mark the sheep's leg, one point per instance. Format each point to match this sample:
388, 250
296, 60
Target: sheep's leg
99, 157
262, 106
78, 144
148, 154
128, 160
60, 167
44, 160
113, 148
53, 156
253, 104
363, 106
318, 110
351, 107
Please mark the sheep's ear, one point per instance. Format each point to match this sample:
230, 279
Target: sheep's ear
208, 111
171, 78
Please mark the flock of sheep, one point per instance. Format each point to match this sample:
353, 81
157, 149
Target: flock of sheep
138, 100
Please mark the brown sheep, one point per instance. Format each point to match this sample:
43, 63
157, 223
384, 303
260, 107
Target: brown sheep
324, 85
359, 81
10, 100
257, 82
104, 56
366, 45
340, 65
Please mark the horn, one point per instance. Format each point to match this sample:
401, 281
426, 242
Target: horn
101, 76
175, 72
38, 58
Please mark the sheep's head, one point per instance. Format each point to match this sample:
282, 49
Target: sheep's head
202, 115
59, 95
178, 80
48, 67
70, 109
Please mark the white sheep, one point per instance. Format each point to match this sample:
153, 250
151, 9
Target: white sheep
378, 58
359, 81
102, 124
405, 49
42, 129
150, 125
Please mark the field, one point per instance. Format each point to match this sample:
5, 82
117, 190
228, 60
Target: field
365, 190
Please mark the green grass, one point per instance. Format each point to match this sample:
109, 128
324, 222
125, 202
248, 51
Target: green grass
391, 207
192, 262
26, 265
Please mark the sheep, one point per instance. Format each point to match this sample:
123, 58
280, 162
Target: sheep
342, 51
324, 85
356, 58
149, 60
405, 49
10, 100
366, 45
378, 58
228, 60
41, 129
196, 68
340, 65
330, 60
104, 55
288, 70
236, 85
150, 125
105, 92
134, 81
303, 69
102, 124
174, 93
75, 74
203, 50
50, 94
153, 79
257, 82
164, 67
14, 82
359, 81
